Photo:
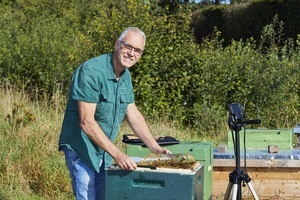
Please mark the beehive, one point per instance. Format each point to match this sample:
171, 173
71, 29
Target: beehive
158, 184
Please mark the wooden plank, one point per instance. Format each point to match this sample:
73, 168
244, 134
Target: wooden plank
268, 183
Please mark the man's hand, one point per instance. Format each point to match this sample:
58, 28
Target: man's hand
158, 149
125, 162
165, 151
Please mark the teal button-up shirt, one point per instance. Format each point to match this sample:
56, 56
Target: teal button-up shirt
94, 81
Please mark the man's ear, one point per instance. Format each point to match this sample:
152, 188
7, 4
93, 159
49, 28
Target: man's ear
117, 43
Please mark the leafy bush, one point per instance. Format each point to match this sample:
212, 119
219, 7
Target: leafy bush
245, 20
177, 79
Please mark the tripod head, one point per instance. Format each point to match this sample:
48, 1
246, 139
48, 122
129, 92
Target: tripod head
236, 116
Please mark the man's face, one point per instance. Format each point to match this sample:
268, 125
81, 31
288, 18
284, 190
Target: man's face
129, 50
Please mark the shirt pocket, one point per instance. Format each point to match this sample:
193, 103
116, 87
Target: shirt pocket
125, 99
105, 108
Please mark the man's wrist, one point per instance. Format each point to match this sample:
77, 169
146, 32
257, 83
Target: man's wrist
156, 148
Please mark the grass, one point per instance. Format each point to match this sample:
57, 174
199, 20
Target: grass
31, 167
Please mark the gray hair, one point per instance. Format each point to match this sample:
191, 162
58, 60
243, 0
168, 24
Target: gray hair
134, 29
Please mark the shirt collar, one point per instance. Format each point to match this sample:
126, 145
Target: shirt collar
110, 68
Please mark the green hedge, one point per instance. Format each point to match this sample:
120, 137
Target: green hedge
177, 79
246, 20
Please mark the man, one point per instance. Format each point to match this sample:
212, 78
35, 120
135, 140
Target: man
101, 95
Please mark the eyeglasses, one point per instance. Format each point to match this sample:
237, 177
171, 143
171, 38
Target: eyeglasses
127, 46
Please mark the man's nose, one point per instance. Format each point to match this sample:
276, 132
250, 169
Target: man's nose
131, 52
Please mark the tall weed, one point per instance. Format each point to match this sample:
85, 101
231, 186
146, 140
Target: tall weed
30, 165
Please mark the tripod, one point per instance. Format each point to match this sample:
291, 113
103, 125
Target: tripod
237, 176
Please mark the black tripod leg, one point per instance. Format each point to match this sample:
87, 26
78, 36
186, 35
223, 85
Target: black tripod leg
247, 179
233, 186
252, 191
228, 191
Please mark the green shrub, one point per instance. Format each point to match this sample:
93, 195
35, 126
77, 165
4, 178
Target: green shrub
177, 79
